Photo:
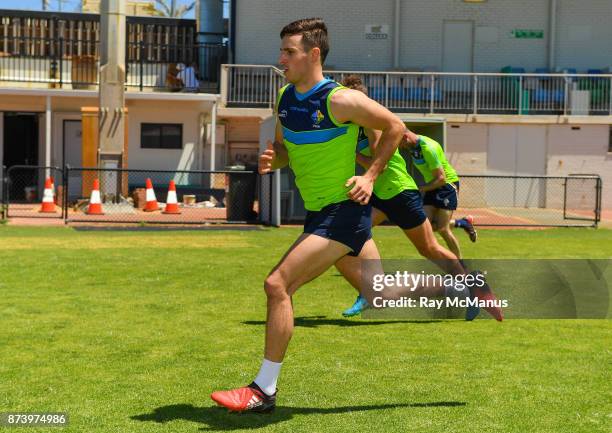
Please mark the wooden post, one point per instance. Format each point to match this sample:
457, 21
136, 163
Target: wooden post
90, 148
89, 137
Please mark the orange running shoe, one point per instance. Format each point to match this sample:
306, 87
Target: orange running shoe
246, 399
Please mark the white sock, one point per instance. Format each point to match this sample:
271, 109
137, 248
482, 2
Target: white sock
268, 376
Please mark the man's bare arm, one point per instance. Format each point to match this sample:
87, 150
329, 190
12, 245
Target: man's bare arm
353, 106
439, 179
373, 138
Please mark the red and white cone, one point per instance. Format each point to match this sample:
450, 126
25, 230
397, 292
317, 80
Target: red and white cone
95, 204
151, 204
48, 206
171, 201
53, 189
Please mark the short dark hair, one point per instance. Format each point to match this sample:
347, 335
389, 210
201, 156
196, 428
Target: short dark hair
354, 82
314, 34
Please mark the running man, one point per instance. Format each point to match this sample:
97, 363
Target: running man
441, 188
316, 134
396, 198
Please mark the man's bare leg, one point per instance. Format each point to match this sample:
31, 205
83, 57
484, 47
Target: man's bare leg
444, 228
424, 240
359, 272
308, 258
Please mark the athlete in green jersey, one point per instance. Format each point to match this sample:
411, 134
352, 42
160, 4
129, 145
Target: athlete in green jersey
396, 197
441, 188
315, 115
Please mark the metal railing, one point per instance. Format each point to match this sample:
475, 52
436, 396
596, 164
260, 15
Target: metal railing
73, 63
250, 85
441, 92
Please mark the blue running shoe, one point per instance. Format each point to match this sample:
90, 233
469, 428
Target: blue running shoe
359, 305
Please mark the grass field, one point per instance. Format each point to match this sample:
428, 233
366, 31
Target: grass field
131, 331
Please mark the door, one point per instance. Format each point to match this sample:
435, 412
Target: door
516, 151
73, 155
457, 46
20, 139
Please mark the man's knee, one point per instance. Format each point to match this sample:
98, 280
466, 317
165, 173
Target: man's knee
275, 288
428, 249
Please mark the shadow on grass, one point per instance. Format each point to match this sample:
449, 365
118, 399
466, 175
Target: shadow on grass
218, 418
315, 321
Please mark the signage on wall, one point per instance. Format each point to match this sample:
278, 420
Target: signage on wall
377, 31
527, 34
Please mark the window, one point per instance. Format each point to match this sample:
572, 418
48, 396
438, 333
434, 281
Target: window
161, 135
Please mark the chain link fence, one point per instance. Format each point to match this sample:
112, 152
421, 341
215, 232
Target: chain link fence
24, 192
542, 201
143, 196
242, 196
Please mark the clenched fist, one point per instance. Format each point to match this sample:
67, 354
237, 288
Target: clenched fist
266, 159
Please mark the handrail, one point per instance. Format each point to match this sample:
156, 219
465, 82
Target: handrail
444, 92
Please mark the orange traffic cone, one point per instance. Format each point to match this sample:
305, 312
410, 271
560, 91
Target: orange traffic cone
53, 189
95, 204
171, 201
151, 204
47, 202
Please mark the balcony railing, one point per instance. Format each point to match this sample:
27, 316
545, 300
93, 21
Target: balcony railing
440, 92
74, 63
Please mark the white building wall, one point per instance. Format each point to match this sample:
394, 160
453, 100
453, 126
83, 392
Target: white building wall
581, 149
259, 23
422, 24
466, 147
187, 158
584, 35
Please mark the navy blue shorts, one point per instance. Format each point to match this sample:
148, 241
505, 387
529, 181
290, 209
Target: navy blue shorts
346, 222
404, 210
444, 197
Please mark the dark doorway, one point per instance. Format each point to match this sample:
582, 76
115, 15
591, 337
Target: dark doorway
21, 148
20, 139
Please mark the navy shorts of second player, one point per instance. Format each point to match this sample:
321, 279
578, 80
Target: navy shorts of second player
404, 209
444, 197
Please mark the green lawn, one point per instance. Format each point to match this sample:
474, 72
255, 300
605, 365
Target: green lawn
131, 331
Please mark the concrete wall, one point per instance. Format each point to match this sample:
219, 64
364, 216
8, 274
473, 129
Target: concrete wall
187, 158
421, 43
259, 23
583, 32
569, 149
583, 150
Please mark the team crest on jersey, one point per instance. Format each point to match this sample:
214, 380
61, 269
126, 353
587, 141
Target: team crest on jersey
283, 113
317, 117
416, 152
